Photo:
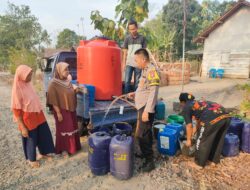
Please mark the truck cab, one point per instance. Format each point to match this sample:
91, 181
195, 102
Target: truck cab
50, 65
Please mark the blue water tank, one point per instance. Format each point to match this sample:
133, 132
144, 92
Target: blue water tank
98, 153
121, 156
231, 145
120, 128
82, 108
245, 145
167, 141
160, 110
236, 126
91, 90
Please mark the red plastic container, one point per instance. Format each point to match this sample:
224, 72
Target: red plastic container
99, 64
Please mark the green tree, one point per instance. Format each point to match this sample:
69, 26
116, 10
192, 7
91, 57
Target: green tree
19, 30
68, 38
105, 25
212, 10
21, 56
162, 40
173, 19
125, 11
133, 9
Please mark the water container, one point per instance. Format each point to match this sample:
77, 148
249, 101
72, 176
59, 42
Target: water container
176, 126
160, 110
91, 91
107, 129
236, 126
74, 82
99, 64
212, 73
175, 119
167, 141
121, 156
188, 151
157, 127
98, 153
122, 128
231, 145
245, 145
220, 73
82, 108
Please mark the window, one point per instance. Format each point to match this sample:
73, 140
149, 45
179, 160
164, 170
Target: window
49, 65
70, 58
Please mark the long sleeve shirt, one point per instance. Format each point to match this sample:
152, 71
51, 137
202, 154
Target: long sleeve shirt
147, 91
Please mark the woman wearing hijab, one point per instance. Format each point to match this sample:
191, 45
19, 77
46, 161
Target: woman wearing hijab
28, 114
212, 125
61, 96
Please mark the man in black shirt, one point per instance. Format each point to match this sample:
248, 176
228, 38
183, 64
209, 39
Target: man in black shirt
212, 124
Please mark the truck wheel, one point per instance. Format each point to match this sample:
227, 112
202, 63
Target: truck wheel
82, 126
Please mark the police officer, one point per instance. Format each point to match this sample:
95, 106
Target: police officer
145, 100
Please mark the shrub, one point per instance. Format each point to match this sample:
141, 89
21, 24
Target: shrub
21, 57
245, 104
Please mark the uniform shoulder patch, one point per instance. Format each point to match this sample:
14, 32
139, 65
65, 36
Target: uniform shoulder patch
153, 78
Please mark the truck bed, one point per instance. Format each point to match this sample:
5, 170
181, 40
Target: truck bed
97, 113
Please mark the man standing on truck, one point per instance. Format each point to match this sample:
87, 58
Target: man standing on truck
132, 42
145, 100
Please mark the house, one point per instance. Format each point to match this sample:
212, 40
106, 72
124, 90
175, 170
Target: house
227, 42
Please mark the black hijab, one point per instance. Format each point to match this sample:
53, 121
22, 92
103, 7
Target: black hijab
184, 97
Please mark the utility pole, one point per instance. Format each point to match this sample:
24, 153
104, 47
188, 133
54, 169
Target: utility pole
184, 40
82, 25
78, 29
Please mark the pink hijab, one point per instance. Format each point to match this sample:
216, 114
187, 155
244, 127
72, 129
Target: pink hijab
24, 96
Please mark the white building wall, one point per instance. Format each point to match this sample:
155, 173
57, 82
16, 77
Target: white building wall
228, 46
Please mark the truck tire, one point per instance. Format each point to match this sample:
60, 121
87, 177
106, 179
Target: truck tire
82, 126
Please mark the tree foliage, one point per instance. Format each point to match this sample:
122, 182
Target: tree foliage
212, 10
161, 42
107, 26
20, 30
133, 9
245, 104
125, 11
20, 57
199, 16
173, 19
68, 38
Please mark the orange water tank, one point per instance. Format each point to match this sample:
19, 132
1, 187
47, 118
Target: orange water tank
99, 64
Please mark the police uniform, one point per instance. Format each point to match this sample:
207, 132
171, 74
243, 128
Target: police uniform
145, 100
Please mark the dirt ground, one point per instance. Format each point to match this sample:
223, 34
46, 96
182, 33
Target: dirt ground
73, 172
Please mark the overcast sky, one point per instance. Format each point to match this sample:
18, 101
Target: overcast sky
55, 15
